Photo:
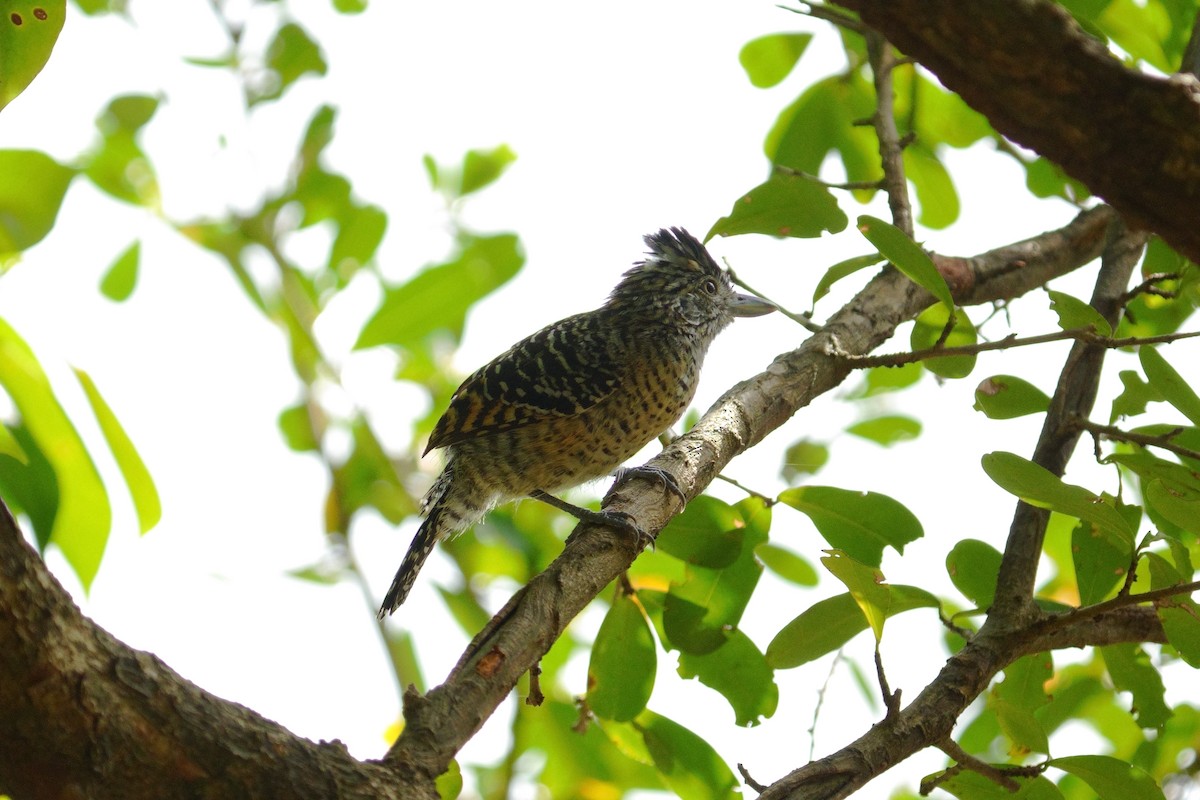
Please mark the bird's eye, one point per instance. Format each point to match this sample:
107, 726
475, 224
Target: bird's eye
710, 286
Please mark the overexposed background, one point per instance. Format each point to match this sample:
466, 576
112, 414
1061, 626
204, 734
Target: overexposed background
626, 117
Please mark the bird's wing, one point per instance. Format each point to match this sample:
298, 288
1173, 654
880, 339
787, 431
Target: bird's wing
560, 371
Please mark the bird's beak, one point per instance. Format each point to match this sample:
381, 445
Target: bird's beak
747, 305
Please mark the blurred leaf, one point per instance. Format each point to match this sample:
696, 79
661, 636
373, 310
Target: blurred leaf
30, 195
740, 673
889, 379
118, 165
1178, 505
623, 663
827, 625
973, 567
841, 270
449, 784
1131, 671
367, 478
887, 430
483, 167
928, 329
936, 196
1039, 487
121, 277
1016, 698
1074, 313
439, 297
9, 446
804, 457
1110, 778
786, 205
1169, 383
860, 523
1101, 559
689, 764
83, 515
768, 59
866, 585
907, 256
30, 486
291, 55
944, 118
357, 7
28, 31
1008, 397
133, 469
705, 533
360, 230
786, 564
1044, 178
1132, 401
296, 426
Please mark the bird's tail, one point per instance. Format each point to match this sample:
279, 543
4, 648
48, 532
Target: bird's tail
422, 545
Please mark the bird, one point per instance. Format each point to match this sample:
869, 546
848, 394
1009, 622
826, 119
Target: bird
570, 403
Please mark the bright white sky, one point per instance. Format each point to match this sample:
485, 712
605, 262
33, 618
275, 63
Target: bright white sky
626, 117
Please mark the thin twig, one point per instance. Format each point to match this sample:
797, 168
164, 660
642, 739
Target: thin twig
891, 148
803, 319
1087, 335
1115, 434
812, 730
847, 185
749, 781
769, 501
1120, 601
968, 761
822, 11
891, 700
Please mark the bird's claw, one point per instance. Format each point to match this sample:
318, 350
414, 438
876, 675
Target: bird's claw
659, 474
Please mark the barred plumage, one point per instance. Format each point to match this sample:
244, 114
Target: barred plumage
576, 399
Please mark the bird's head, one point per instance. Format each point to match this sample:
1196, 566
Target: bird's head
679, 283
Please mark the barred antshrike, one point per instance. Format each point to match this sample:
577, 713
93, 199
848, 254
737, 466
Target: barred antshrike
571, 402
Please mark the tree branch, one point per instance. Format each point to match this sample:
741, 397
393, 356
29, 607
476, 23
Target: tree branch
1132, 138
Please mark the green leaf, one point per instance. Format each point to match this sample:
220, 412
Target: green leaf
118, 165
291, 55
841, 270
689, 764
804, 457
359, 233
786, 564
297, 429
1008, 397
1132, 401
700, 612
623, 663
705, 533
83, 515
1015, 699
786, 205
439, 297
1073, 313
121, 277
890, 379
887, 430
30, 195
860, 523
1044, 178
1039, 487
973, 567
1101, 560
907, 256
1176, 504
30, 486
1131, 671
866, 585
827, 625
1182, 625
133, 469
449, 784
1110, 778
28, 31
824, 119
357, 7
739, 671
9, 446
936, 196
972, 786
768, 59
928, 329
1169, 383
482, 167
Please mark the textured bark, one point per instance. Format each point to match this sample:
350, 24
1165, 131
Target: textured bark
1131, 138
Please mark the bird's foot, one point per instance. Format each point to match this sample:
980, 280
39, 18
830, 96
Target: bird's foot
613, 519
659, 474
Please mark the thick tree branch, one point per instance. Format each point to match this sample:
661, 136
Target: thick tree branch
87, 716
1132, 138
439, 723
